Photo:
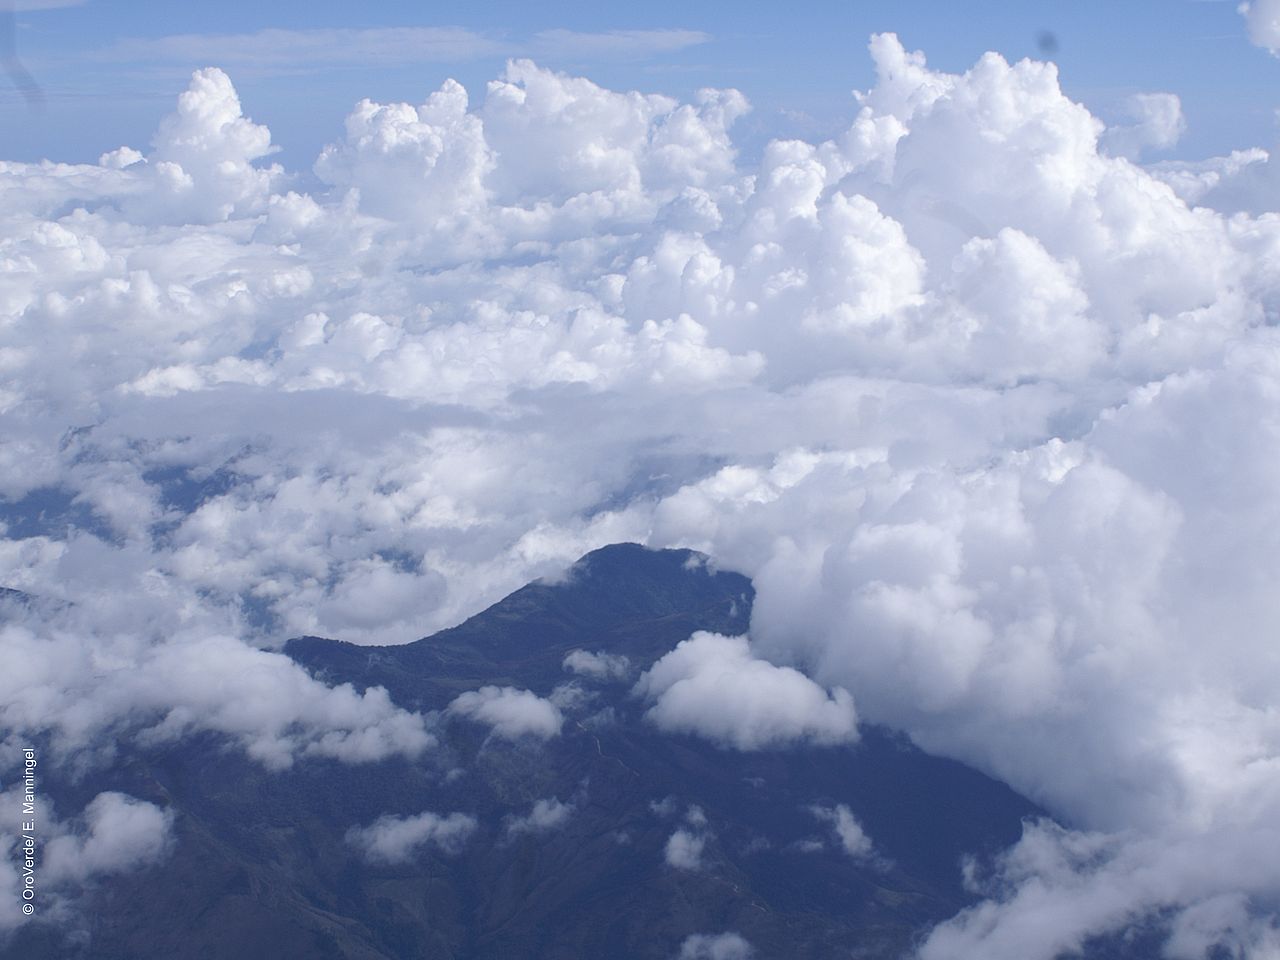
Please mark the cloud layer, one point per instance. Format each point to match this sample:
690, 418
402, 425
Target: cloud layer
987, 409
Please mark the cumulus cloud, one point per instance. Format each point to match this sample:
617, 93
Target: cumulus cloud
114, 834
598, 665
202, 168
985, 409
715, 946
684, 850
711, 685
88, 673
509, 712
165, 686
391, 839
546, 815
664, 807
118, 833
853, 839
1263, 20
1055, 887
1156, 123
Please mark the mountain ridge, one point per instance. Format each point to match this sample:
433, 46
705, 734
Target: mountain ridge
264, 863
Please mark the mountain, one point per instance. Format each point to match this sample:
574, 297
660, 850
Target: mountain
264, 865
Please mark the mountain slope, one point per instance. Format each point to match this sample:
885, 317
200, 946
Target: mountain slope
263, 865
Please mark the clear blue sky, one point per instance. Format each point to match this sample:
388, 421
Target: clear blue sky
110, 68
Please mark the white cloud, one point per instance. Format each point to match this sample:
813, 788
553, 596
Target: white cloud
119, 834
114, 834
664, 807
572, 696
614, 43
598, 665
853, 839
511, 713
715, 946
275, 50
1263, 19
391, 839
1055, 887
712, 686
282, 49
438, 150
23, 6
1156, 123
987, 413
684, 850
87, 676
546, 815
1230, 184
202, 169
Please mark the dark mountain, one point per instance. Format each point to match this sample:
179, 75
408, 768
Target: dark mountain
262, 866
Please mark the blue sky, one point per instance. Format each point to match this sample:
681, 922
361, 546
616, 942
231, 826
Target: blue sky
109, 70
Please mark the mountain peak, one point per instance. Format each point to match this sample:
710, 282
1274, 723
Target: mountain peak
623, 598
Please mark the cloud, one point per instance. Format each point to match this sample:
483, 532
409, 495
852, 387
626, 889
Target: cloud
118, 834
391, 839
275, 50
715, 946
684, 850
546, 815
161, 686
1263, 20
26, 6
280, 49
986, 411
625, 44
1157, 123
598, 665
853, 839
1056, 887
509, 712
1230, 184
664, 807
114, 834
712, 686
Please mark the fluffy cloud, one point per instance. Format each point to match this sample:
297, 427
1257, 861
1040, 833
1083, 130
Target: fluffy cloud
1156, 123
986, 409
391, 839
598, 665
114, 834
715, 946
712, 686
1055, 887
684, 850
202, 169
548, 814
509, 712
119, 834
853, 839
1263, 19
164, 687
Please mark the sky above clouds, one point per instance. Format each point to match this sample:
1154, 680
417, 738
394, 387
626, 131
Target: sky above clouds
108, 69
978, 384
